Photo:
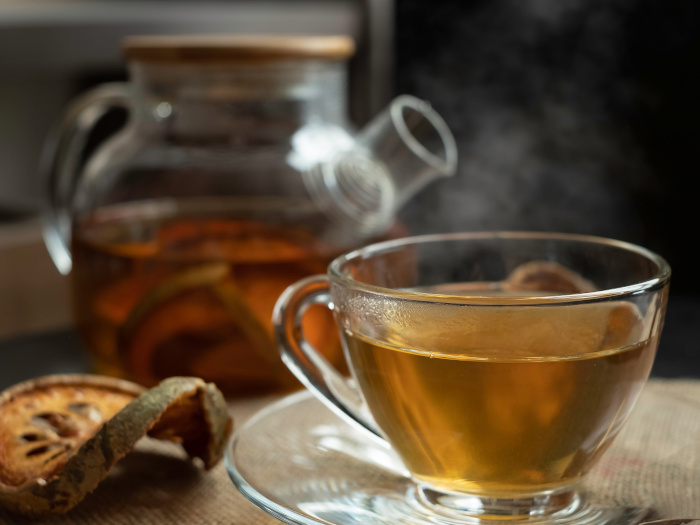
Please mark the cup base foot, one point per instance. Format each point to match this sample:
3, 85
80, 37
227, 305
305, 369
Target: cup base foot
456, 504
567, 508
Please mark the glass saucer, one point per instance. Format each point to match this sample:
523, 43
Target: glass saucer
303, 465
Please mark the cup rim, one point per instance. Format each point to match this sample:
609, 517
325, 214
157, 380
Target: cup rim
660, 279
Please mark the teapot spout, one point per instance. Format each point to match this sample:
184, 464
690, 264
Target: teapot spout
396, 155
413, 143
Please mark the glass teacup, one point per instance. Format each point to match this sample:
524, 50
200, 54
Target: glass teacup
498, 366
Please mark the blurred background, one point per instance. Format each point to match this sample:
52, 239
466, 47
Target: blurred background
569, 116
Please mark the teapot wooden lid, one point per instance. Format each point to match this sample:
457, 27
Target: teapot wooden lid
232, 48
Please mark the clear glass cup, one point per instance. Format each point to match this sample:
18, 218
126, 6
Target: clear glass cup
498, 366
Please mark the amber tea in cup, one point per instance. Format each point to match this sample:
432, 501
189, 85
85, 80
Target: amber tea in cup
498, 366
525, 399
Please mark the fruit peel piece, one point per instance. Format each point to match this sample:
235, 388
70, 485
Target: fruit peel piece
547, 276
182, 409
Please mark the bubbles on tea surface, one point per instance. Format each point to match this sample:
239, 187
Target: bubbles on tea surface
371, 315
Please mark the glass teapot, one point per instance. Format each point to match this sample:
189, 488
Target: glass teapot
236, 174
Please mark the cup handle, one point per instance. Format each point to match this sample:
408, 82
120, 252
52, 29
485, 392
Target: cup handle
306, 363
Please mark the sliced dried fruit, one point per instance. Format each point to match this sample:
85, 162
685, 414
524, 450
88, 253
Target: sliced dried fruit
45, 420
198, 322
60, 435
546, 276
194, 333
237, 241
261, 287
187, 280
256, 332
624, 320
625, 325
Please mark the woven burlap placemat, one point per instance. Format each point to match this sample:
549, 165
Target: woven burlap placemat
156, 485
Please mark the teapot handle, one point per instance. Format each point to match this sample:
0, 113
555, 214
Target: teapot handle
60, 162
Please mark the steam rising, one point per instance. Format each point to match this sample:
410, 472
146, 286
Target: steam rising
534, 94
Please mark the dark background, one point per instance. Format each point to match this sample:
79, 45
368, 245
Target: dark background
570, 115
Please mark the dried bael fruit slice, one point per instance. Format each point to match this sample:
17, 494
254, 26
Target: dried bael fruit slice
60, 435
547, 276
45, 421
624, 320
197, 322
